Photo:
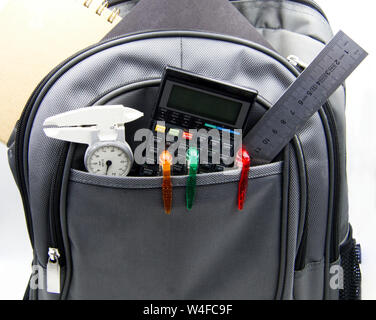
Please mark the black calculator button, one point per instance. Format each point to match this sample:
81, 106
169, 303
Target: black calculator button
198, 122
147, 172
186, 124
178, 169
219, 168
205, 169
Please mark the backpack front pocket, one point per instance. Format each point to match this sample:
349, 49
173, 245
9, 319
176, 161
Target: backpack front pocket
123, 245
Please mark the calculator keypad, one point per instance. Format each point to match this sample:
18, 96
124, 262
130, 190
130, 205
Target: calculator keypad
215, 151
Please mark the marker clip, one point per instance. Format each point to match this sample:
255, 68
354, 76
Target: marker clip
243, 160
165, 161
192, 163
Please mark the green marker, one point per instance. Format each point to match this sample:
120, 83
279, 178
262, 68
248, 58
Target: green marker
192, 163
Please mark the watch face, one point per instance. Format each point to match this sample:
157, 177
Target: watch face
109, 160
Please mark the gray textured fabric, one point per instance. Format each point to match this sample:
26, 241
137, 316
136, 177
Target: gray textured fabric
132, 62
41, 293
290, 43
338, 103
217, 16
275, 15
124, 246
316, 158
309, 282
134, 95
294, 28
294, 195
178, 181
333, 291
276, 20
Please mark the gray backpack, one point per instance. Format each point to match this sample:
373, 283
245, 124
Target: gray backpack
105, 237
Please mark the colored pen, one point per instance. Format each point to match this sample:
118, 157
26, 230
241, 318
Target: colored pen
165, 161
243, 160
192, 163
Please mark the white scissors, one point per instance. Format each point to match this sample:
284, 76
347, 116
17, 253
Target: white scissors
102, 129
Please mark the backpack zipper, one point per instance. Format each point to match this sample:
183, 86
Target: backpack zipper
334, 248
296, 62
53, 271
55, 237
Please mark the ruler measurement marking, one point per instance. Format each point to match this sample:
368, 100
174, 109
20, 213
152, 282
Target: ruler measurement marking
304, 97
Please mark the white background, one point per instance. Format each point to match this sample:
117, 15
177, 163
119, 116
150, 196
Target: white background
356, 18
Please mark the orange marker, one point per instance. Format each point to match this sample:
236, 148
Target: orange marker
165, 161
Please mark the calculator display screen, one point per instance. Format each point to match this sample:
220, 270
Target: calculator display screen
204, 104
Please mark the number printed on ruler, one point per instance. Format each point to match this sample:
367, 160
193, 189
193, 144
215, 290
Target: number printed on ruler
304, 97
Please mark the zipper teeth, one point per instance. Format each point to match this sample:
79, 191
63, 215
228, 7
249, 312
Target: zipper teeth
301, 253
334, 249
302, 232
334, 252
55, 240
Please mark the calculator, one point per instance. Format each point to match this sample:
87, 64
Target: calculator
188, 108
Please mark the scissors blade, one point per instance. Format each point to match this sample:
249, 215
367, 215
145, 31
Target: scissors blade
78, 135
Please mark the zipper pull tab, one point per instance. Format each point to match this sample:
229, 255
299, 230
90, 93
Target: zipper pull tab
53, 271
296, 62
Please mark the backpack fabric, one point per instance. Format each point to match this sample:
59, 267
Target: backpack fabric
291, 241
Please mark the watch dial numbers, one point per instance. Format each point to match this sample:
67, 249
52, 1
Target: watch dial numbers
109, 160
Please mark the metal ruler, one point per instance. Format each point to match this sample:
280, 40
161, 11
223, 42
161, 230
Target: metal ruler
303, 98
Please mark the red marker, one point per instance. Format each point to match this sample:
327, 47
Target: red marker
243, 160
